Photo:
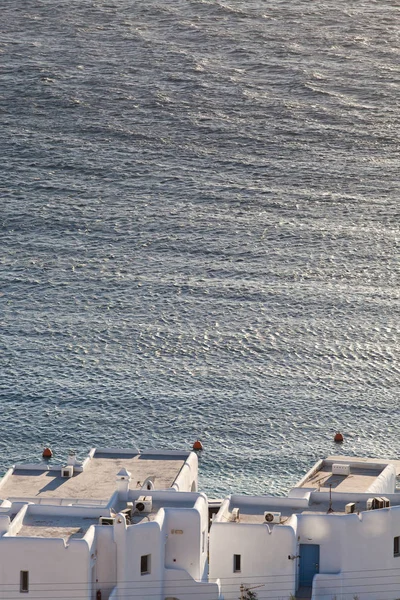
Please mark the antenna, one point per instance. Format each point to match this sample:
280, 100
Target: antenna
330, 509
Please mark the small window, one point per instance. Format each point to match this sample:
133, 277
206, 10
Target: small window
145, 564
236, 563
24, 581
396, 546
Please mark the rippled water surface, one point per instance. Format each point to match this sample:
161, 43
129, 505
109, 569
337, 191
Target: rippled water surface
200, 231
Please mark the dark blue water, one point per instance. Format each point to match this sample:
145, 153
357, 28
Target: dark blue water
200, 231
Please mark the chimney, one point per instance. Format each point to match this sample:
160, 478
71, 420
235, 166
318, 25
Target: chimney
123, 481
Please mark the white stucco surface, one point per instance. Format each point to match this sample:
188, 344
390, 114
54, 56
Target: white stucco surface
58, 518
58, 527
97, 480
364, 473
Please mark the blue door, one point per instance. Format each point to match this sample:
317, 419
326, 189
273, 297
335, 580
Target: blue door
308, 563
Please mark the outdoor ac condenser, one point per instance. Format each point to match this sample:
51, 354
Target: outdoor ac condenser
144, 504
272, 517
106, 520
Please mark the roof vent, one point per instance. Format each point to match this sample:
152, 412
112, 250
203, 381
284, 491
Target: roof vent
148, 484
235, 515
123, 474
67, 471
340, 469
71, 458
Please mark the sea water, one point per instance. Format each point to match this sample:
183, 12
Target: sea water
200, 231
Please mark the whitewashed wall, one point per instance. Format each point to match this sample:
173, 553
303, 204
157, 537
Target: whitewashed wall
202, 506
55, 570
178, 584
106, 561
264, 558
187, 478
385, 483
132, 543
177, 548
183, 546
356, 554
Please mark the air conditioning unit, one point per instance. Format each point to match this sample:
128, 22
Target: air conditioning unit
127, 512
67, 471
144, 504
340, 469
350, 508
272, 517
377, 502
235, 514
107, 520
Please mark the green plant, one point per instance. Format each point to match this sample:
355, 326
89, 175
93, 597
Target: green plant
247, 594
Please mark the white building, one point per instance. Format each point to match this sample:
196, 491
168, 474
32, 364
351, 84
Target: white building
123, 524
336, 535
127, 524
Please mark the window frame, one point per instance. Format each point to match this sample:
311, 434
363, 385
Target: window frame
396, 545
24, 582
145, 564
237, 563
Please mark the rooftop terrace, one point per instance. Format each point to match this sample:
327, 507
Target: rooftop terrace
97, 480
327, 487
363, 473
55, 527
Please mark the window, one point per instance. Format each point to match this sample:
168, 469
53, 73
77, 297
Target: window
236, 563
145, 564
24, 581
396, 546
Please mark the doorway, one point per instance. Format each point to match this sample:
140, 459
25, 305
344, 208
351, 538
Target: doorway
308, 564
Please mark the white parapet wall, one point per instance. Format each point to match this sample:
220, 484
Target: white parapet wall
357, 556
327, 586
263, 552
179, 584
385, 483
56, 571
187, 478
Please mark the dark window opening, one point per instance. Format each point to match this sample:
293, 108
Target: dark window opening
396, 546
24, 581
236, 563
145, 564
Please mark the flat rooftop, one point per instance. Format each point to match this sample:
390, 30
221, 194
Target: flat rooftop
180, 500
254, 514
359, 480
66, 528
306, 498
363, 472
97, 481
